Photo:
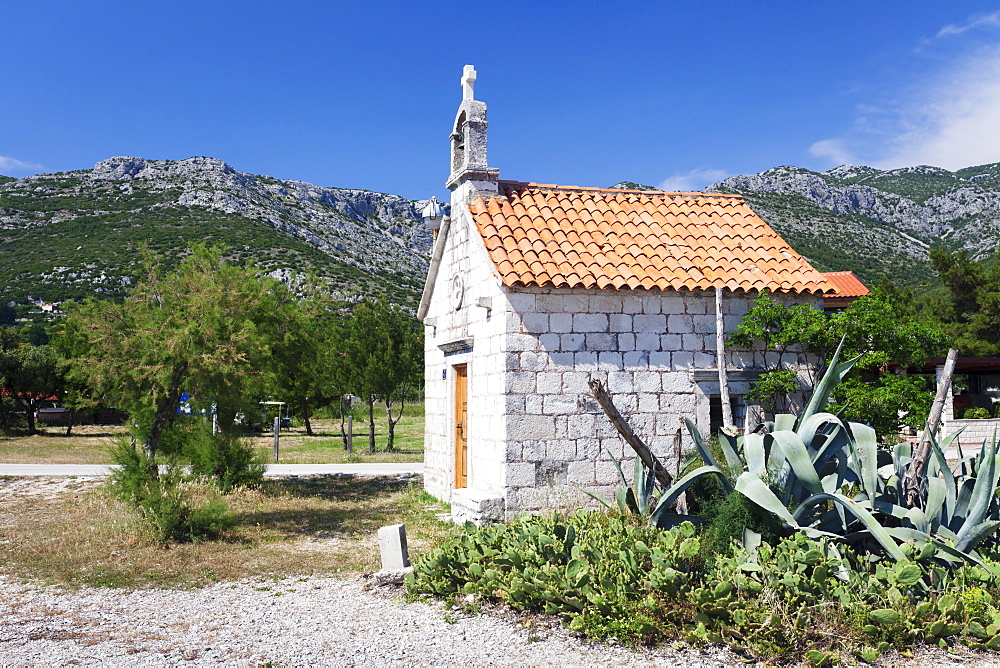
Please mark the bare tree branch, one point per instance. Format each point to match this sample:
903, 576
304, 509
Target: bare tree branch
911, 485
663, 477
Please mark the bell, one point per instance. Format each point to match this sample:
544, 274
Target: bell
432, 214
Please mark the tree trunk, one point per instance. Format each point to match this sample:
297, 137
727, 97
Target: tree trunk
911, 484
934, 419
343, 429
309, 429
720, 357
225, 420
663, 477
160, 423
29, 414
165, 413
72, 420
392, 423
371, 424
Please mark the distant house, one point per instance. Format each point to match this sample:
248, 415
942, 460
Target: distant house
980, 389
848, 288
534, 289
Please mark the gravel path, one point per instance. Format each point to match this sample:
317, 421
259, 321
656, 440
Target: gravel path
319, 621
273, 470
312, 621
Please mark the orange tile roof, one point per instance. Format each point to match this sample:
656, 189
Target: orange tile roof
846, 284
571, 237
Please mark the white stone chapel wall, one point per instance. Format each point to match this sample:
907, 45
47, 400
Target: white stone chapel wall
643, 345
466, 258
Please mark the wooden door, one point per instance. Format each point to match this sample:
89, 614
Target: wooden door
461, 426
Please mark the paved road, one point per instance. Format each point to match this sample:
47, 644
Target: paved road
272, 469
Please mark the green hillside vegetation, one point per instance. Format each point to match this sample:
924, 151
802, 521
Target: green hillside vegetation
5, 179
831, 241
67, 239
987, 173
878, 222
919, 184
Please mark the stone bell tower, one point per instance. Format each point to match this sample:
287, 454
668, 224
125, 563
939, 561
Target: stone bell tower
471, 176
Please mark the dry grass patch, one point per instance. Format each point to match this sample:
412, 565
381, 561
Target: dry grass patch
90, 444
293, 526
87, 444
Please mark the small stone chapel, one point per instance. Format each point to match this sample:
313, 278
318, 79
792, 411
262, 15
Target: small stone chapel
534, 289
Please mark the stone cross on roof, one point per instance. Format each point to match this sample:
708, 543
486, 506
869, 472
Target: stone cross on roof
468, 82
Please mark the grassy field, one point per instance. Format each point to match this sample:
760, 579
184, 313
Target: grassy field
89, 444
302, 526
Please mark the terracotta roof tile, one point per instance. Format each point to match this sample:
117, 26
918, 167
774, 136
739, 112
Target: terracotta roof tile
846, 284
566, 236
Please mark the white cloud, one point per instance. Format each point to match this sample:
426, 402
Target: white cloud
10, 166
977, 21
949, 119
952, 121
696, 179
833, 150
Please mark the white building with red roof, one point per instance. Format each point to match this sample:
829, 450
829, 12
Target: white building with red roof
535, 289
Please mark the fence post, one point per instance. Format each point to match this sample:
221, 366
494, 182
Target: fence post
277, 435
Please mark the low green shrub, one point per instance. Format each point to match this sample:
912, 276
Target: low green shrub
803, 593
230, 462
607, 572
976, 414
612, 575
726, 516
173, 506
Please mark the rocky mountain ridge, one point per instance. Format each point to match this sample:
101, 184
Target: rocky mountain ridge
877, 221
359, 240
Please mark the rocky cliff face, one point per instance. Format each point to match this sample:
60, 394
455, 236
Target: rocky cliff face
373, 229
928, 203
284, 225
890, 214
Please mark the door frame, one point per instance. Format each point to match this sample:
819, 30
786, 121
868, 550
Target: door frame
461, 422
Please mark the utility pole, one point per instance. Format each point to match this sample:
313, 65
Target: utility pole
720, 356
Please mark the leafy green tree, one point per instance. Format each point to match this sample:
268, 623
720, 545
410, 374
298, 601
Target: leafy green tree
28, 374
780, 328
875, 328
871, 327
384, 353
776, 329
885, 402
901, 297
35, 334
206, 329
403, 373
773, 388
69, 341
883, 335
970, 310
306, 356
340, 374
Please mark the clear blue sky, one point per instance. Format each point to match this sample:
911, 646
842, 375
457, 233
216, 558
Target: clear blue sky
363, 94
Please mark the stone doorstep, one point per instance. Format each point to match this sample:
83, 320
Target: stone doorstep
479, 507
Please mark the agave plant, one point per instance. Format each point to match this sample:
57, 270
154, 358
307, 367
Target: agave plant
640, 498
821, 475
959, 508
